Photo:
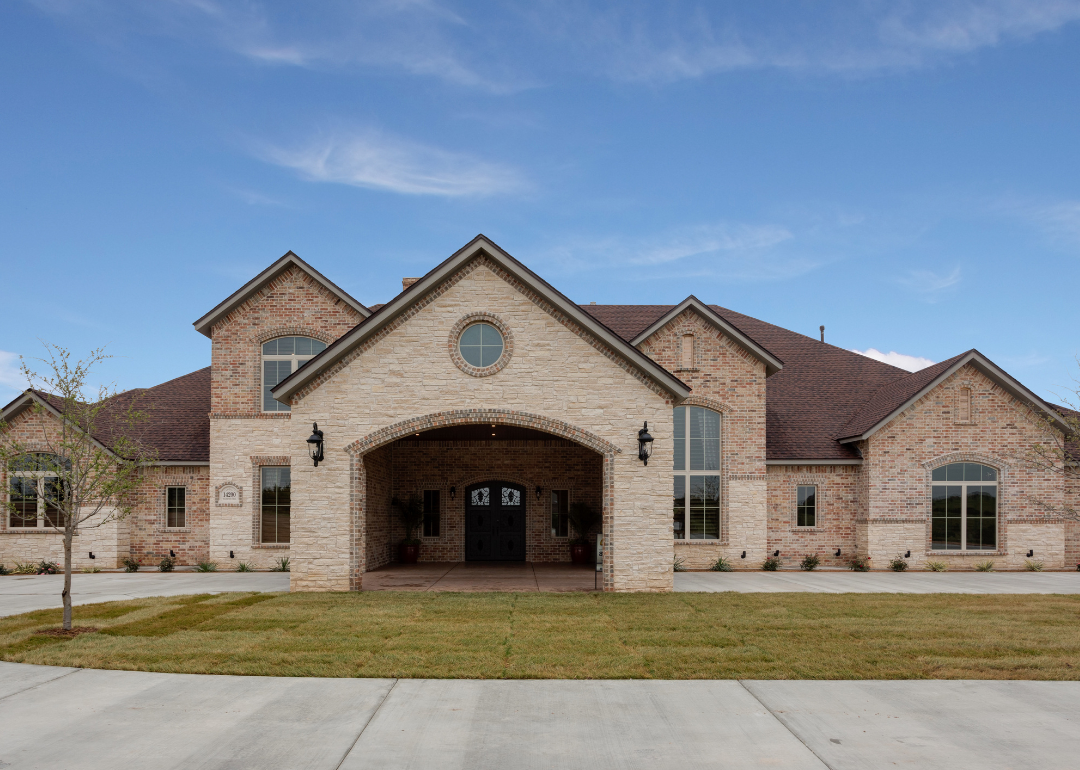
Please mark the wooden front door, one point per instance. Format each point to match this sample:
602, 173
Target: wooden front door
495, 522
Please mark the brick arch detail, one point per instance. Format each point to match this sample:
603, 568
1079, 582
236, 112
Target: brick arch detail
965, 457
358, 472
708, 403
292, 331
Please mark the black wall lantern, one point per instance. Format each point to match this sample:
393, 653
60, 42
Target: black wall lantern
315, 444
644, 444
453, 492
538, 490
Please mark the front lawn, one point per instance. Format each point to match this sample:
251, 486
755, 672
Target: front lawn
661, 636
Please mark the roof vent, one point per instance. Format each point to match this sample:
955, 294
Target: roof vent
407, 282
592, 303
822, 327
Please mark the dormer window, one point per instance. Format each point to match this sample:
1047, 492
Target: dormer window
280, 358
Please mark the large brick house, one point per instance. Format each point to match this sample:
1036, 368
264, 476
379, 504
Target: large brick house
483, 389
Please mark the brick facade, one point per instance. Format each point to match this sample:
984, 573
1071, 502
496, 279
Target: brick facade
560, 378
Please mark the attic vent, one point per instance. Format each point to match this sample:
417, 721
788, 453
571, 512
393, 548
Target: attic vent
407, 282
963, 408
688, 351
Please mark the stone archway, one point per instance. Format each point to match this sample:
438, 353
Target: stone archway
507, 417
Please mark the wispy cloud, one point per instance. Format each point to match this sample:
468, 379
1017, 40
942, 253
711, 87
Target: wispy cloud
901, 360
635, 42
379, 162
1060, 221
730, 250
930, 284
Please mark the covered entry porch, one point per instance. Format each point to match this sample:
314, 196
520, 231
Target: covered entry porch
480, 576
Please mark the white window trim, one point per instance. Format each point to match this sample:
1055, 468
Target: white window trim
687, 473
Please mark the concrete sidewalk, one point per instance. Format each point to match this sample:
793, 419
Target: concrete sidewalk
882, 582
26, 593
67, 718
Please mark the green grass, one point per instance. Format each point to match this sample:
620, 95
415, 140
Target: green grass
595, 636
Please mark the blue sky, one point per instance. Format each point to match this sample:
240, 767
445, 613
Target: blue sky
905, 173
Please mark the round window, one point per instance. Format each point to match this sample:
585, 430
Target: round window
481, 345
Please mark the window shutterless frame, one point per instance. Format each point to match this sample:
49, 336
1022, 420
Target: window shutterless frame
432, 510
806, 505
175, 507
280, 358
696, 497
560, 513
964, 508
276, 504
34, 489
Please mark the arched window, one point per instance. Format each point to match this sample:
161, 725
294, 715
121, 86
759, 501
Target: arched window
35, 487
280, 358
964, 509
696, 508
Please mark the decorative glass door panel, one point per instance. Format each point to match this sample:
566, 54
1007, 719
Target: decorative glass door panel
495, 522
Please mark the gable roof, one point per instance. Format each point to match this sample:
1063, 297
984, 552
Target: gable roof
772, 363
252, 287
807, 402
478, 246
894, 398
176, 425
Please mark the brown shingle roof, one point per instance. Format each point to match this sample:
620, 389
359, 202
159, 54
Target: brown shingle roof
176, 424
817, 392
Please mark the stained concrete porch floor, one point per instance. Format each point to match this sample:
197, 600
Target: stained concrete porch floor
483, 576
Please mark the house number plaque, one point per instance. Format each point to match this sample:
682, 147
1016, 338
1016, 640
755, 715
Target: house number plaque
229, 494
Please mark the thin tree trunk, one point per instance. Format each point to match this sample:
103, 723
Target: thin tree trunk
67, 579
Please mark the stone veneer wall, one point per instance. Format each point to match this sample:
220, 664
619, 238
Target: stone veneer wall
837, 512
554, 464
150, 539
404, 379
726, 379
898, 459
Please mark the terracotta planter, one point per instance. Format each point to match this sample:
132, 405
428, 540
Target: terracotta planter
579, 554
409, 553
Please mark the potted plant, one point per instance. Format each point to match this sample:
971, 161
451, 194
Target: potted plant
582, 518
411, 513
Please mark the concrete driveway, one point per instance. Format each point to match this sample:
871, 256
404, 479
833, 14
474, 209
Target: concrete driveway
70, 718
25, 593
845, 581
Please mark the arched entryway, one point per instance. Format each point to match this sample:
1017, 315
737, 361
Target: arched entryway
495, 522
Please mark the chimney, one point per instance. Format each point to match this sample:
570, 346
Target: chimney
407, 282
822, 327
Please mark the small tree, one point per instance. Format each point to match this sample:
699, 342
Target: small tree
82, 463
1059, 453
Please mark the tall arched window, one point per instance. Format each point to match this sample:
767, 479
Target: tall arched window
964, 509
35, 487
696, 508
280, 358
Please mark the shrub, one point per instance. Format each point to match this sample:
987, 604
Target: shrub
810, 563
24, 569
898, 564
721, 565
679, 564
206, 566
4, 570
984, 566
131, 565
91, 570
937, 566
1033, 566
244, 566
771, 564
166, 564
282, 565
860, 564
47, 568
